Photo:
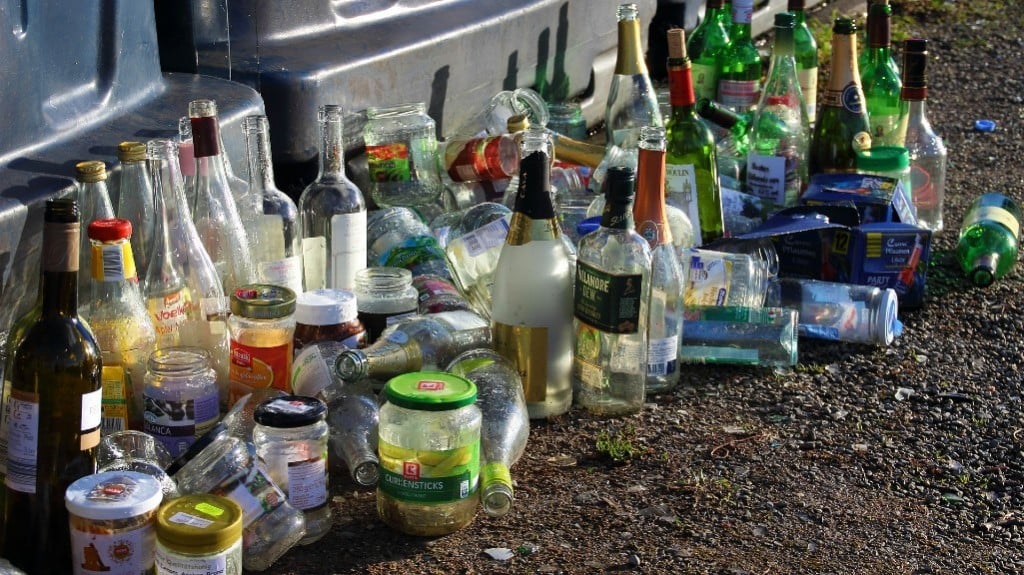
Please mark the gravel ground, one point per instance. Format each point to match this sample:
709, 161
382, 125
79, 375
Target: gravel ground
908, 459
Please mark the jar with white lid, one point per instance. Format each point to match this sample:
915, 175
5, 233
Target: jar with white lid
199, 534
328, 314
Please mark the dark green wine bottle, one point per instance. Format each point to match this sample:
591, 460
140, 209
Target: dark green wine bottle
880, 79
739, 63
805, 50
703, 45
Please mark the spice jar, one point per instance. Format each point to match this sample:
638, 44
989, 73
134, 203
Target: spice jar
401, 154
111, 519
328, 314
199, 534
291, 442
181, 397
384, 295
429, 453
262, 327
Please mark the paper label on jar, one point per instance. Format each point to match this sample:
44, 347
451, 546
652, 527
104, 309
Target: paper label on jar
177, 424
707, 281
424, 476
681, 191
182, 518
348, 249
254, 493
169, 311
307, 483
662, 355
22, 441
314, 262
285, 272
191, 565
310, 372
389, 162
116, 394
127, 552
258, 368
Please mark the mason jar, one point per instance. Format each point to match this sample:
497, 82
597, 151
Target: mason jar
401, 155
384, 295
181, 398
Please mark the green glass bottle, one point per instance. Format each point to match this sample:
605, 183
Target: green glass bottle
880, 79
987, 248
691, 171
805, 50
705, 42
739, 63
732, 142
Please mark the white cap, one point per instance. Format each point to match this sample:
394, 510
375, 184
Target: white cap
325, 307
113, 495
885, 330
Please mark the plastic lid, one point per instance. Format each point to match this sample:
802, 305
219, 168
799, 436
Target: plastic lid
885, 330
430, 391
110, 230
325, 307
884, 159
588, 225
263, 301
131, 151
199, 524
113, 495
290, 411
984, 125
91, 171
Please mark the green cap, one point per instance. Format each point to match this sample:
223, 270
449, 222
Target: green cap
884, 159
263, 301
430, 391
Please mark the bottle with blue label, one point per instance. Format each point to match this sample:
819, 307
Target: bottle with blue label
841, 312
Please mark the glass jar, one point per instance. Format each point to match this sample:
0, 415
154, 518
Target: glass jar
262, 326
438, 294
328, 314
401, 155
397, 237
111, 516
228, 468
291, 438
888, 161
714, 278
567, 119
384, 295
137, 452
181, 397
199, 534
429, 447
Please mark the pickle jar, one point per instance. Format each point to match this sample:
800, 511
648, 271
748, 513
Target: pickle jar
262, 327
181, 397
199, 533
328, 314
401, 154
291, 442
429, 451
384, 295
111, 517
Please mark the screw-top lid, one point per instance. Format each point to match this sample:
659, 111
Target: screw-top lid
263, 301
883, 159
430, 391
131, 151
290, 411
326, 307
110, 230
90, 171
620, 184
885, 328
113, 495
517, 123
199, 524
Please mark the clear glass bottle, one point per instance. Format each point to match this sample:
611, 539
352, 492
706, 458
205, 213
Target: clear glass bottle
715, 278
332, 213
989, 238
566, 118
187, 161
397, 237
135, 201
182, 400
353, 414
480, 159
709, 38
209, 543
401, 150
739, 65
473, 258
94, 204
805, 51
732, 143
841, 312
328, 314
438, 294
611, 306
384, 295
880, 79
632, 101
763, 336
277, 253
291, 442
262, 326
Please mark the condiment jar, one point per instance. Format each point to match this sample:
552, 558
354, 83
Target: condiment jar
262, 327
429, 453
328, 314
401, 154
291, 439
138, 452
888, 161
111, 520
199, 534
384, 295
181, 397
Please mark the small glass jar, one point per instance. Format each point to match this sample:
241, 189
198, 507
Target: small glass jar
181, 397
137, 452
111, 516
384, 295
199, 534
328, 314
262, 326
429, 453
717, 278
567, 119
401, 154
291, 438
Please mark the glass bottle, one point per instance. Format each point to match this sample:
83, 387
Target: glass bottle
332, 213
401, 152
777, 162
353, 415
216, 214
928, 154
732, 142
611, 306
705, 42
988, 243
665, 323
187, 162
120, 322
94, 204
763, 336
135, 201
842, 128
473, 256
720, 278
870, 22
535, 333
880, 79
632, 102
739, 64
841, 312
691, 170
55, 406
805, 51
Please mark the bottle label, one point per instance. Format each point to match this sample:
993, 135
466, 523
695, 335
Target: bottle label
742, 11
310, 372
348, 248
739, 94
832, 320
258, 368
770, 177
995, 214
705, 81
436, 295
22, 441
609, 302
286, 272
124, 552
177, 424
307, 483
527, 349
707, 282
447, 476
215, 564
627, 356
489, 236
112, 262
254, 492
681, 190
314, 262
662, 356
461, 320
169, 312
808, 78
389, 162
588, 373
117, 392
412, 252
852, 99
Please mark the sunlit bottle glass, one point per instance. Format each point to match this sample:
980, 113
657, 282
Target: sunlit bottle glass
703, 45
632, 102
880, 79
805, 50
93, 204
739, 63
135, 201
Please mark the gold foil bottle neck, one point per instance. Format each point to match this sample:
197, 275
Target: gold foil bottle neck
90, 171
629, 60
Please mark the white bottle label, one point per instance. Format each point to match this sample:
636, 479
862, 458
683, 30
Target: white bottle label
22, 441
123, 553
627, 356
766, 177
808, 78
681, 190
92, 409
739, 94
307, 483
348, 249
310, 372
314, 262
491, 235
286, 272
662, 355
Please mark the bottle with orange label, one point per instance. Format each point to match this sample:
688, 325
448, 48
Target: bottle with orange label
262, 325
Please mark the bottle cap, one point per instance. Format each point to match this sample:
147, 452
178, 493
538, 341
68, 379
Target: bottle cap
845, 26
326, 307
885, 330
90, 171
588, 225
430, 391
113, 495
110, 230
199, 524
131, 151
290, 411
620, 184
984, 125
263, 301
883, 159
517, 123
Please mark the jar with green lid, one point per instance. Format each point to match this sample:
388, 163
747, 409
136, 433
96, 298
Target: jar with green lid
888, 161
429, 453
262, 327
199, 534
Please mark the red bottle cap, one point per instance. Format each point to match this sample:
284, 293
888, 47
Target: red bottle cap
110, 230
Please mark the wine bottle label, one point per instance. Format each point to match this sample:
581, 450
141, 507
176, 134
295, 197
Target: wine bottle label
177, 424
348, 248
116, 394
705, 81
995, 214
527, 348
681, 191
112, 262
427, 476
314, 262
808, 78
389, 162
707, 282
255, 367
92, 409
22, 441
771, 177
169, 311
286, 272
307, 482
662, 356
739, 94
606, 301
255, 493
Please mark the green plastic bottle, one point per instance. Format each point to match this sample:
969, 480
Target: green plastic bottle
709, 38
805, 50
987, 249
739, 63
880, 79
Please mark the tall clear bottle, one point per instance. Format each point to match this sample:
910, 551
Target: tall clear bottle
215, 213
805, 50
777, 162
93, 204
691, 171
880, 79
332, 213
928, 154
665, 323
187, 161
610, 306
709, 38
277, 254
739, 63
535, 333
632, 101
135, 201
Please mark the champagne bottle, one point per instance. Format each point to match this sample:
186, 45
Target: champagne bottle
842, 127
55, 407
135, 201
93, 204
705, 42
632, 102
805, 50
535, 333
989, 236
880, 79
739, 64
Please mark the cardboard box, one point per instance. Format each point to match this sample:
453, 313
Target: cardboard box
877, 198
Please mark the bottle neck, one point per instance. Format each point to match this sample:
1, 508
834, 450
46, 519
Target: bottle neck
844, 61
332, 150
783, 46
205, 137
680, 87
384, 359
261, 167
533, 198
617, 215
629, 60
742, 12
879, 30
649, 210
94, 202
59, 280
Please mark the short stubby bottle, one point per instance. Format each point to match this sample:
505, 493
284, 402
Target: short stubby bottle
989, 236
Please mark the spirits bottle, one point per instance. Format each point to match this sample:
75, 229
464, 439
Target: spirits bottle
55, 406
927, 151
842, 127
732, 142
277, 254
93, 204
665, 322
709, 38
691, 171
135, 201
805, 50
610, 308
988, 244
777, 162
880, 79
632, 102
332, 213
535, 333
739, 64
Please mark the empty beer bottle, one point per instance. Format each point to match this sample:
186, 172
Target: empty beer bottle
989, 236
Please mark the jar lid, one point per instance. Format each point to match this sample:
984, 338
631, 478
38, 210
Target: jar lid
113, 495
884, 159
885, 328
430, 391
263, 301
110, 230
199, 524
325, 307
290, 411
